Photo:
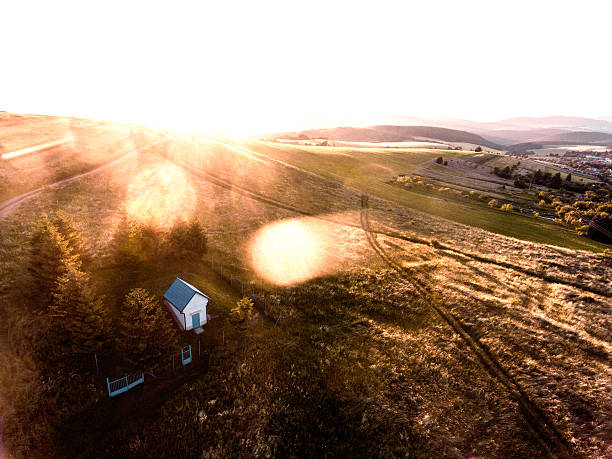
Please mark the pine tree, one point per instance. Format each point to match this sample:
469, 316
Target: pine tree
134, 243
50, 257
196, 239
145, 334
80, 313
66, 227
186, 240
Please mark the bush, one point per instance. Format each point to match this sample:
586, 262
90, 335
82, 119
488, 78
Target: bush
493, 203
520, 183
507, 207
440, 160
435, 243
243, 309
478, 148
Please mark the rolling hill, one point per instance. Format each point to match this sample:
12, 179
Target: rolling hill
390, 133
565, 138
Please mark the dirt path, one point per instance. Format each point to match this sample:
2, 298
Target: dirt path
10, 205
549, 436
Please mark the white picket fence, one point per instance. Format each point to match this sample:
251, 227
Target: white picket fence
118, 386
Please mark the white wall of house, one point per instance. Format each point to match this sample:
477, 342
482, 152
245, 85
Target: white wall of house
197, 304
179, 316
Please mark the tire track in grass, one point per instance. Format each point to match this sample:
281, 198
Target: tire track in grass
7, 206
547, 433
223, 183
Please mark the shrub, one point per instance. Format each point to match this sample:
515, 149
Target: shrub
478, 148
435, 243
493, 203
520, 183
507, 207
243, 309
440, 160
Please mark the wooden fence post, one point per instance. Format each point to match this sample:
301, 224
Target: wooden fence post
223, 336
97, 367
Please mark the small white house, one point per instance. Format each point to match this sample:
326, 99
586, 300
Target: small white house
187, 305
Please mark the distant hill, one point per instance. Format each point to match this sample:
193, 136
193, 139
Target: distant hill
514, 130
565, 138
578, 137
509, 136
389, 133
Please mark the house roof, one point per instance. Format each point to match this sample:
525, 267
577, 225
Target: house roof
180, 293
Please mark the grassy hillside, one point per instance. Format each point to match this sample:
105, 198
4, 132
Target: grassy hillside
370, 170
396, 134
411, 336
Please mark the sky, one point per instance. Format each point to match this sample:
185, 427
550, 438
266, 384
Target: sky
262, 66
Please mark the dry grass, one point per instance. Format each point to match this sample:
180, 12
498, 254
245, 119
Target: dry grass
362, 365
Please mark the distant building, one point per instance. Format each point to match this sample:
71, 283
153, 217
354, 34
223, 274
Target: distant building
187, 305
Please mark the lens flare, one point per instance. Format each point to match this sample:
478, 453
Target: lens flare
161, 196
289, 252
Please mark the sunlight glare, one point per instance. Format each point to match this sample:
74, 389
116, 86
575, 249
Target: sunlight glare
161, 196
288, 252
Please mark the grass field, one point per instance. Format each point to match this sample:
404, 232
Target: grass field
370, 170
361, 364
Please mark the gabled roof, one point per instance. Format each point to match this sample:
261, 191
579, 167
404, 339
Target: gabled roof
180, 294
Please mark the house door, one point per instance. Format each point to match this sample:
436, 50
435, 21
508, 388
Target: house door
195, 320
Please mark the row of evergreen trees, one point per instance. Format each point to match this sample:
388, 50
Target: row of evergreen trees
77, 321
134, 242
